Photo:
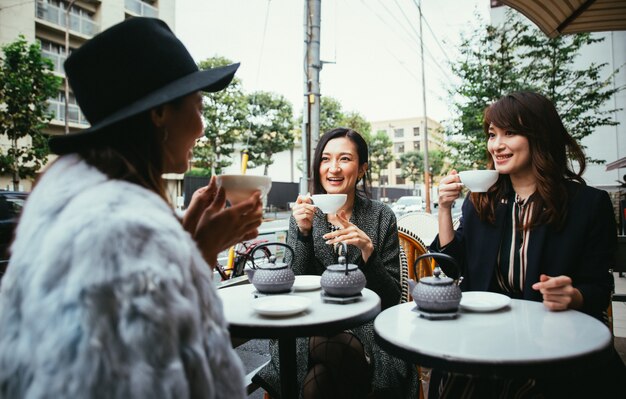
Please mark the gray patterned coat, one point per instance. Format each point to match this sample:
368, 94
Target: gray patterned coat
382, 271
107, 296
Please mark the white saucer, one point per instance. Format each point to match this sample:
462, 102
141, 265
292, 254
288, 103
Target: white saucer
280, 305
479, 301
307, 283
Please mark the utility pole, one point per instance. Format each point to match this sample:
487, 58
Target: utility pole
425, 132
311, 110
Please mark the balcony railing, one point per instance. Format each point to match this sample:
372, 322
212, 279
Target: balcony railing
140, 8
57, 60
56, 15
74, 115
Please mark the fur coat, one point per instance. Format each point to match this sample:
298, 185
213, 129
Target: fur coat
107, 296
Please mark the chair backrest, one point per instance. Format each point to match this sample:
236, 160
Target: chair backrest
410, 248
420, 224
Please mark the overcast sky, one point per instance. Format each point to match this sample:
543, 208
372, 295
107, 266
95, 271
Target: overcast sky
372, 49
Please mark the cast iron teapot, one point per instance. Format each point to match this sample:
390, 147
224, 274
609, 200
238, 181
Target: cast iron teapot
273, 277
343, 279
436, 294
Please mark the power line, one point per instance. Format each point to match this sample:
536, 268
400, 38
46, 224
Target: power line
415, 41
434, 36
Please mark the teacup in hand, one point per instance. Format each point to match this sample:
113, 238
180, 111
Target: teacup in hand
478, 181
239, 188
329, 203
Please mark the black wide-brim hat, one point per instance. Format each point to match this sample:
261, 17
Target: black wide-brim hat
131, 68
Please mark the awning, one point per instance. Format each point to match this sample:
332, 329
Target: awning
555, 17
620, 163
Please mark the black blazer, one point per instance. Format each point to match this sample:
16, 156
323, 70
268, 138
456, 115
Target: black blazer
583, 250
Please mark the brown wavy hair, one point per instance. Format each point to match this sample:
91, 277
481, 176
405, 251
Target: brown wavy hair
552, 151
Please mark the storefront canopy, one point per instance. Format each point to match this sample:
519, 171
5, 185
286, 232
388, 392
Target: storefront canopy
556, 17
620, 163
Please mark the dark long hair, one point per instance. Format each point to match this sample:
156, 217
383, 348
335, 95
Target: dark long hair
361, 148
552, 151
131, 150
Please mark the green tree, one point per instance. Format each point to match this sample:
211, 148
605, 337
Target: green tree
380, 154
436, 161
331, 114
270, 128
26, 84
356, 121
225, 114
512, 57
412, 166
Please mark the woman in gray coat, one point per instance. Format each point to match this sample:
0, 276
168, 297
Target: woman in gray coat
349, 364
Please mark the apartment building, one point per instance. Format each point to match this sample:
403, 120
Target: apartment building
61, 24
407, 135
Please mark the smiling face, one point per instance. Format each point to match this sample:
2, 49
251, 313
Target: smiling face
339, 167
510, 152
182, 120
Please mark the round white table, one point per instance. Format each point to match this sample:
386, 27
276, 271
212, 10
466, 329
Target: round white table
319, 319
524, 339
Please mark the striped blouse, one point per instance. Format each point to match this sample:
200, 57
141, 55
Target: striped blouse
511, 270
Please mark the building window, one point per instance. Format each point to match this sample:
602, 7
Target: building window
81, 20
398, 148
417, 145
142, 8
55, 53
57, 107
398, 133
400, 180
398, 165
416, 131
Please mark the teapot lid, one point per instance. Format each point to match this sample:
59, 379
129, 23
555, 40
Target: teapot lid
273, 265
342, 266
435, 279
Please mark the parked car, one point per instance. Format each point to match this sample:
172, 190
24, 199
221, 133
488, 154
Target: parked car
11, 204
407, 204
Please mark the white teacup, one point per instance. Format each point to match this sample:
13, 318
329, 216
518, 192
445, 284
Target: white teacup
239, 188
478, 181
329, 203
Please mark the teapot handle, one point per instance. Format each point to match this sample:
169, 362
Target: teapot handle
267, 244
436, 255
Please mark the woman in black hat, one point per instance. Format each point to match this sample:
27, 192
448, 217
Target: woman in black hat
108, 293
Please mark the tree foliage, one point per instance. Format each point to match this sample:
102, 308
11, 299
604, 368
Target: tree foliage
355, 121
380, 154
331, 114
412, 166
26, 84
515, 56
270, 128
225, 115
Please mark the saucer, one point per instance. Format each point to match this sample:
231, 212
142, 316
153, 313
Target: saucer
280, 305
340, 299
307, 283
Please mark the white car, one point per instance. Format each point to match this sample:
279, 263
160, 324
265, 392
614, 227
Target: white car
407, 204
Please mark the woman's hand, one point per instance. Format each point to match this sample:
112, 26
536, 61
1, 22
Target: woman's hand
350, 234
303, 211
200, 200
218, 228
449, 190
558, 293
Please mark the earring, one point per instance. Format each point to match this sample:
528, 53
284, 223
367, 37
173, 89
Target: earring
165, 135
